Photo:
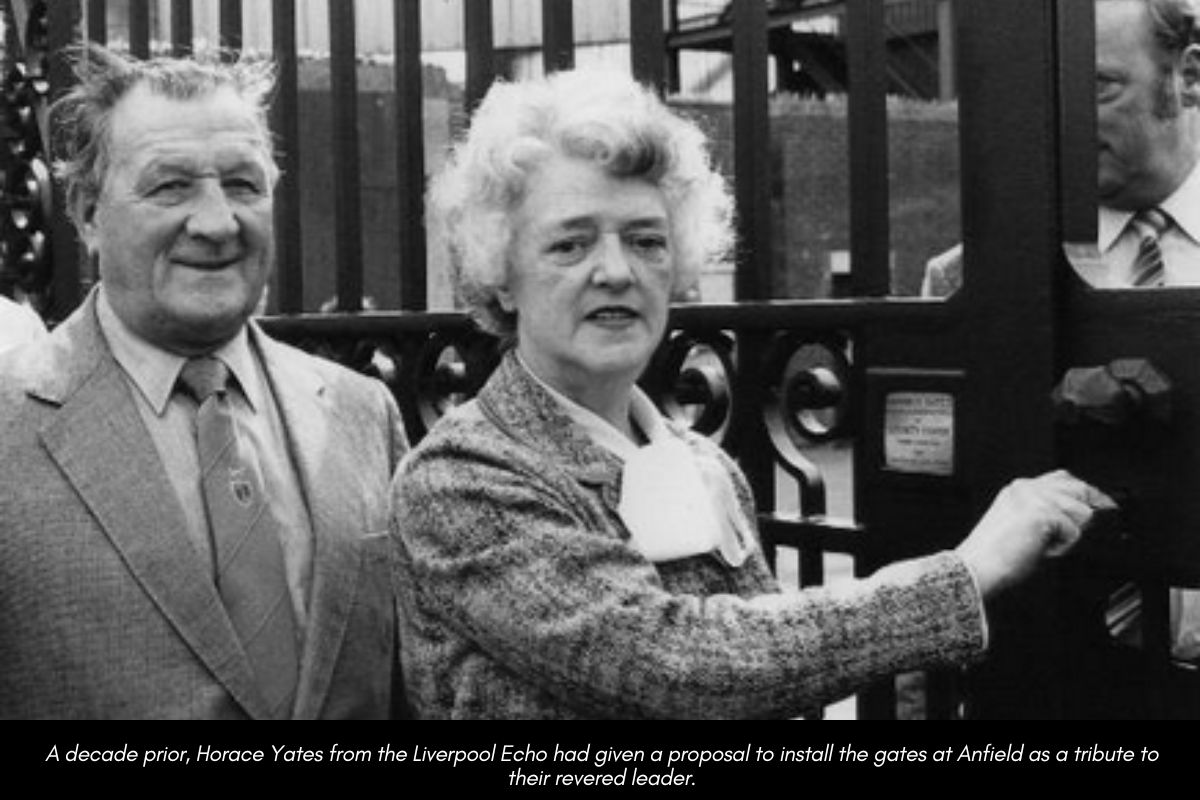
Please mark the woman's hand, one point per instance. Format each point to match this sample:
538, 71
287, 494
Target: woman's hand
1030, 519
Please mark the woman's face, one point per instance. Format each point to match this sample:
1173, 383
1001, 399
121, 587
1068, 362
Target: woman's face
591, 269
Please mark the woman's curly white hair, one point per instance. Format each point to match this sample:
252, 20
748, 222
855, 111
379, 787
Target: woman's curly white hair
605, 117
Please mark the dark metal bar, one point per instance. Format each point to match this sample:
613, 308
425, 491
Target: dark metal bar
647, 43
558, 35
139, 28
869, 238
97, 21
478, 38
181, 28
870, 271
751, 139
947, 59
410, 156
1011, 253
67, 285
812, 566
285, 114
347, 202
826, 534
672, 52
231, 26
748, 440
1077, 121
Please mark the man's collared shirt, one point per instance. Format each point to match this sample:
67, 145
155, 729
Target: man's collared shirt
1180, 243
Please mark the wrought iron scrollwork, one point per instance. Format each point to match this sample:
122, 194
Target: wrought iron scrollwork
26, 199
691, 378
810, 393
807, 402
449, 368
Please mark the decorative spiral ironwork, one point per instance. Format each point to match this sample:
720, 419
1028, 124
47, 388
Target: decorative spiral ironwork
26, 192
810, 392
449, 369
691, 378
808, 400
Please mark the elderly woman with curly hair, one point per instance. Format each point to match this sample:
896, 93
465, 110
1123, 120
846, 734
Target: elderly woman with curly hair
564, 550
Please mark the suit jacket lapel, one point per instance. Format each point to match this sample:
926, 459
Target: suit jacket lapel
102, 447
314, 432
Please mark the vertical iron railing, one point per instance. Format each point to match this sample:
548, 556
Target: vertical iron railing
181, 28
97, 21
647, 44
478, 41
410, 157
1078, 122
347, 215
752, 192
1007, 71
68, 276
869, 238
285, 121
139, 28
558, 35
751, 140
230, 26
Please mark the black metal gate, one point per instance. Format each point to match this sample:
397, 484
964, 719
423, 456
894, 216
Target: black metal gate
772, 377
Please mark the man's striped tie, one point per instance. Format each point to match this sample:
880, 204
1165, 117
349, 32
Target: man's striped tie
246, 539
1149, 224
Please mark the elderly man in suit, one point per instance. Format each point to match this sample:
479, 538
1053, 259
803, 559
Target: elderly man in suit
193, 517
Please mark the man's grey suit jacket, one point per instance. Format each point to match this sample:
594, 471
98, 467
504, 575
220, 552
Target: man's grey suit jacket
106, 610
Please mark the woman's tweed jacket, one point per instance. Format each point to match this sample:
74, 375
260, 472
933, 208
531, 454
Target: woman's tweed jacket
522, 597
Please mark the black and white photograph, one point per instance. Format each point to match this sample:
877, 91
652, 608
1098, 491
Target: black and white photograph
599, 360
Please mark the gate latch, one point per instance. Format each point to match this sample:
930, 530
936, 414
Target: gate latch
1125, 390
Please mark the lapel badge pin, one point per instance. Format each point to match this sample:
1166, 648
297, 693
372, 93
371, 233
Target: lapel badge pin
242, 491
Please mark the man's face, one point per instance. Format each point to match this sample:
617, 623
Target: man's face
183, 225
1148, 138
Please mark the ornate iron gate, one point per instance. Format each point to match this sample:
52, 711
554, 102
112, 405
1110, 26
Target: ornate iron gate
769, 378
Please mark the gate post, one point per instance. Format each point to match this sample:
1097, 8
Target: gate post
1011, 255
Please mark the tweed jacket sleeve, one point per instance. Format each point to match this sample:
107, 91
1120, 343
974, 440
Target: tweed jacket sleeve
521, 596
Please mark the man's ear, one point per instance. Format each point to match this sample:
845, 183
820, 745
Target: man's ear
1189, 73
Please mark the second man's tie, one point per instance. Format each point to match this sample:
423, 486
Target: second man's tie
1150, 224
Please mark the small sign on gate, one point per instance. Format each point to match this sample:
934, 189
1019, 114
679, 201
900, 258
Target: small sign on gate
918, 433
914, 429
